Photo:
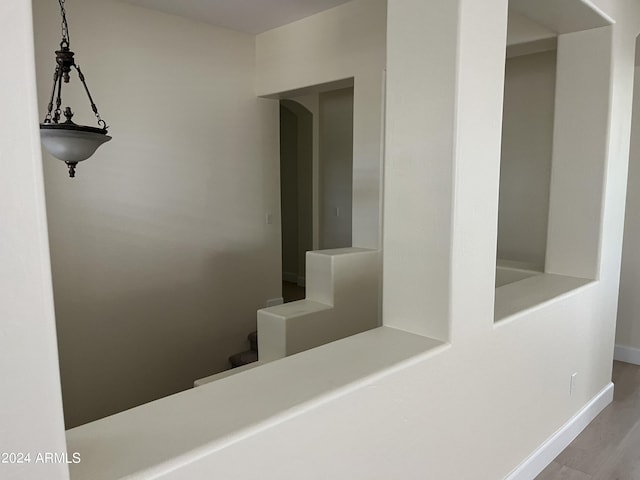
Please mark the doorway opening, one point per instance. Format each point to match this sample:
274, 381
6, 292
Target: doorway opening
296, 163
526, 154
316, 179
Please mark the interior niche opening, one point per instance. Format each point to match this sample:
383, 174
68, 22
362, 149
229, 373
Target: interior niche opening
525, 166
554, 151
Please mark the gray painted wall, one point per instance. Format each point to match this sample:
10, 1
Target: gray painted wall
161, 254
525, 167
336, 168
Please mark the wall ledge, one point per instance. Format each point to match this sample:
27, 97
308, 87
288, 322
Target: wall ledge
167, 434
516, 299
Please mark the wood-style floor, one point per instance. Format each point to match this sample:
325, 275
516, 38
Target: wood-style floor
609, 448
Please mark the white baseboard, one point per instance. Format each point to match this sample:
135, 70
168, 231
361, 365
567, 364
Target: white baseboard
272, 302
626, 354
550, 449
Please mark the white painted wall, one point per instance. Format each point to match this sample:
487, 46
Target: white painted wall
30, 403
525, 165
443, 149
336, 168
303, 54
418, 418
628, 329
575, 228
161, 253
522, 30
340, 285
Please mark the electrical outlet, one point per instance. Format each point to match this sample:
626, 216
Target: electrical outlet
572, 383
269, 218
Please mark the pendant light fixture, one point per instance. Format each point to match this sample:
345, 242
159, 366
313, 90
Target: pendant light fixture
68, 141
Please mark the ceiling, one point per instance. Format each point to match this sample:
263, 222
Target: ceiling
251, 16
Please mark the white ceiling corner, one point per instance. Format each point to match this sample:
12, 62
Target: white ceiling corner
250, 16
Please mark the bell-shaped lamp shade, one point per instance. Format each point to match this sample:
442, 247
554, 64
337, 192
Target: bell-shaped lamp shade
71, 143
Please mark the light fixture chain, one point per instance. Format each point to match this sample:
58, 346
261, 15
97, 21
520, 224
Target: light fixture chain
57, 111
101, 122
47, 119
65, 27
